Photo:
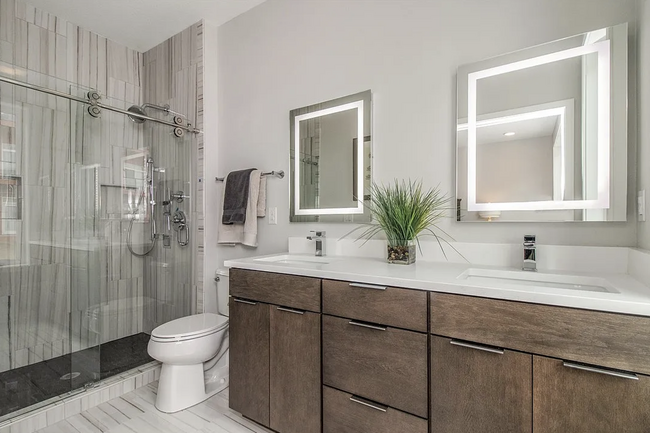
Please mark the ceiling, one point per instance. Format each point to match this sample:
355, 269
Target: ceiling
524, 130
143, 24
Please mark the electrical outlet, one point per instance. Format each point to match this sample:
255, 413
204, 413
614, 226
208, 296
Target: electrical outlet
640, 205
273, 216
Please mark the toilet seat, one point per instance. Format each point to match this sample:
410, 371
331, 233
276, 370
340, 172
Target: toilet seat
189, 328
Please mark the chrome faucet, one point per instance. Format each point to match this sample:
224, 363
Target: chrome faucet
319, 237
530, 257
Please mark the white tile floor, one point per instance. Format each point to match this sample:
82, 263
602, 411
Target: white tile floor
135, 412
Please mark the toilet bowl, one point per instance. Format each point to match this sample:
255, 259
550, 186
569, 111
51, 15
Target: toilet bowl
193, 351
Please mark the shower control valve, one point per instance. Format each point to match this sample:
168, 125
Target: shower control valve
179, 196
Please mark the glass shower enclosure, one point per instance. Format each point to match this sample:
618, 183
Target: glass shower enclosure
84, 192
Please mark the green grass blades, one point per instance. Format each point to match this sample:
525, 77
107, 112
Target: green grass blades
404, 210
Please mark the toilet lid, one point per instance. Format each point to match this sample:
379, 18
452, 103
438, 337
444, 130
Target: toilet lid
191, 326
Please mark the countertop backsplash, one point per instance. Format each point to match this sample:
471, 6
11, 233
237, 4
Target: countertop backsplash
615, 260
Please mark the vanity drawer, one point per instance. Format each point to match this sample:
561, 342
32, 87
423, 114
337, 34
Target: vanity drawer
400, 308
385, 365
607, 339
280, 289
346, 413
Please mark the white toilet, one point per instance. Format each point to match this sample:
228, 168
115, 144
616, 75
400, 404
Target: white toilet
194, 354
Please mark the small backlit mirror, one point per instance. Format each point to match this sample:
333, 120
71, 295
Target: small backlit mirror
331, 154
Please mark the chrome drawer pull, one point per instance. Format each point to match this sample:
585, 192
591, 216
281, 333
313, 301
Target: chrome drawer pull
477, 347
367, 286
290, 310
366, 325
366, 403
614, 373
241, 301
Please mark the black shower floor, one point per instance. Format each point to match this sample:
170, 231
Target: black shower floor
25, 386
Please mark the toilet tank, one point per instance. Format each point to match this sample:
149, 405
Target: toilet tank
223, 291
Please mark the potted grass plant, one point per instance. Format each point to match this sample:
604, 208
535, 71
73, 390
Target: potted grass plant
404, 211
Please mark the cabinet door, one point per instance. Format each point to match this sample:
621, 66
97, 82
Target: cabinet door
477, 388
249, 359
571, 400
295, 371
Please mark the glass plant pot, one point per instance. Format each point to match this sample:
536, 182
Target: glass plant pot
401, 252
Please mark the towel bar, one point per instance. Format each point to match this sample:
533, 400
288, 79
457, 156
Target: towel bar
279, 174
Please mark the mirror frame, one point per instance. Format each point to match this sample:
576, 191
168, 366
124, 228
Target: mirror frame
622, 75
362, 103
356, 105
602, 49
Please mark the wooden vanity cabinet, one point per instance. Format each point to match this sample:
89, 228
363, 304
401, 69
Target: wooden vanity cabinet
295, 380
376, 362
249, 329
346, 413
478, 365
375, 352
275, 350
477, 388
577, 401
573, 356
390, 306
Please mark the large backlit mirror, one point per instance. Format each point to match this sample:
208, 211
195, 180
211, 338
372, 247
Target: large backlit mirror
542, 132
331, 154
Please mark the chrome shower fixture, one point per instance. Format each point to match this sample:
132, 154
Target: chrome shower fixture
149, 188
140, 110
137, 110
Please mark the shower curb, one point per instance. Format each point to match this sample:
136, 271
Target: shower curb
64, 407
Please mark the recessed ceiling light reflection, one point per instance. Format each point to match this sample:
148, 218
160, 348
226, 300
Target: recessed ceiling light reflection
509, 134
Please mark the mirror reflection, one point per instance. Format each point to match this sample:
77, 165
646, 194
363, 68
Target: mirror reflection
330, 165
535, 129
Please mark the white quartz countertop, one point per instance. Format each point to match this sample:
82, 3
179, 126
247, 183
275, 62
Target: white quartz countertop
633, 297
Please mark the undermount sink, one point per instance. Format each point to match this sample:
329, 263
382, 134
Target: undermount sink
292, 259
537, 279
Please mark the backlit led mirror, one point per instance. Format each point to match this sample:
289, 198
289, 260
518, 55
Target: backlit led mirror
542, 132
331, 154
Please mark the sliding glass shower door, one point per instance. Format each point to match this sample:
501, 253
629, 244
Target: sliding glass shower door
95, 223
35, 242
110, 213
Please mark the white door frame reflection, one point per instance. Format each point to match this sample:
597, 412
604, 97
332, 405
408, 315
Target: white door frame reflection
562, 110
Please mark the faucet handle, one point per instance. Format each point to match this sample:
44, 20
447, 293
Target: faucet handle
318, 233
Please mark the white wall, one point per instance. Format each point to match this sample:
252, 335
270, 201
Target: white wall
286, 54
644, 113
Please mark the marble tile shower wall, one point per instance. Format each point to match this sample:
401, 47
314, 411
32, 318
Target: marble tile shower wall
173, 75
37, 306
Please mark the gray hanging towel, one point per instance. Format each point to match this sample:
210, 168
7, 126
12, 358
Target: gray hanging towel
236, 196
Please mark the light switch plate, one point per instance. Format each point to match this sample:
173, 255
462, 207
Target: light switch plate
640, 202
273, 216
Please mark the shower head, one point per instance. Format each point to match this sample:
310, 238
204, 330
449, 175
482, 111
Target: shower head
137, 110
140, 109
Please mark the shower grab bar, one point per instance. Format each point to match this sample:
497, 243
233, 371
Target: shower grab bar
279, 174
92, 101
